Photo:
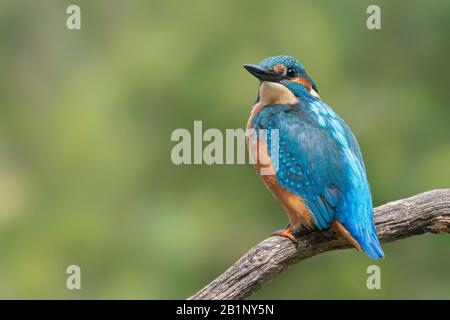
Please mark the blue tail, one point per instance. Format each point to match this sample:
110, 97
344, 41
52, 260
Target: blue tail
369, 242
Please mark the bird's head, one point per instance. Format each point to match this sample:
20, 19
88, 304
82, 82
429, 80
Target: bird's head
279, 73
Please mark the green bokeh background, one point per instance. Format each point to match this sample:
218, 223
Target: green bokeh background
86, 116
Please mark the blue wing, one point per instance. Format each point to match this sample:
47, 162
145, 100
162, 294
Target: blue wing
320, 160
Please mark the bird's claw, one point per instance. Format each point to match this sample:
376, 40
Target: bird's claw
287, 233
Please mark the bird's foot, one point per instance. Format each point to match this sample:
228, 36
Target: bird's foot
287, 233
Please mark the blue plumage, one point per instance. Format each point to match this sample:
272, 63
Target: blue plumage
319, 158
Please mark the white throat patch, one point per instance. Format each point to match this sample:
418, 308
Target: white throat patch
275, 93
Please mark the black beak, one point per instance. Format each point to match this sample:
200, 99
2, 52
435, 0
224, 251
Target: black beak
263, 74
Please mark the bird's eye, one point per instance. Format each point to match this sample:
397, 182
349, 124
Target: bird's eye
290, 72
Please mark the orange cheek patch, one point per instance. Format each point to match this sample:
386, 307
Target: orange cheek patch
304, 82
307, 84
279, 68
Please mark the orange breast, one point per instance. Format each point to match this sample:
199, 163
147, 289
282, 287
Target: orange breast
295, 207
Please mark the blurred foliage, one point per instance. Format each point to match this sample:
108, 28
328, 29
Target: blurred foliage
86, 118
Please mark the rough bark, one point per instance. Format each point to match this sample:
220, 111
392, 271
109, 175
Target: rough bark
422, 213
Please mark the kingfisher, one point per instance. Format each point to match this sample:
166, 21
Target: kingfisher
316, 171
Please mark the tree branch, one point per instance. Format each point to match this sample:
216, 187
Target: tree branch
425, 212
